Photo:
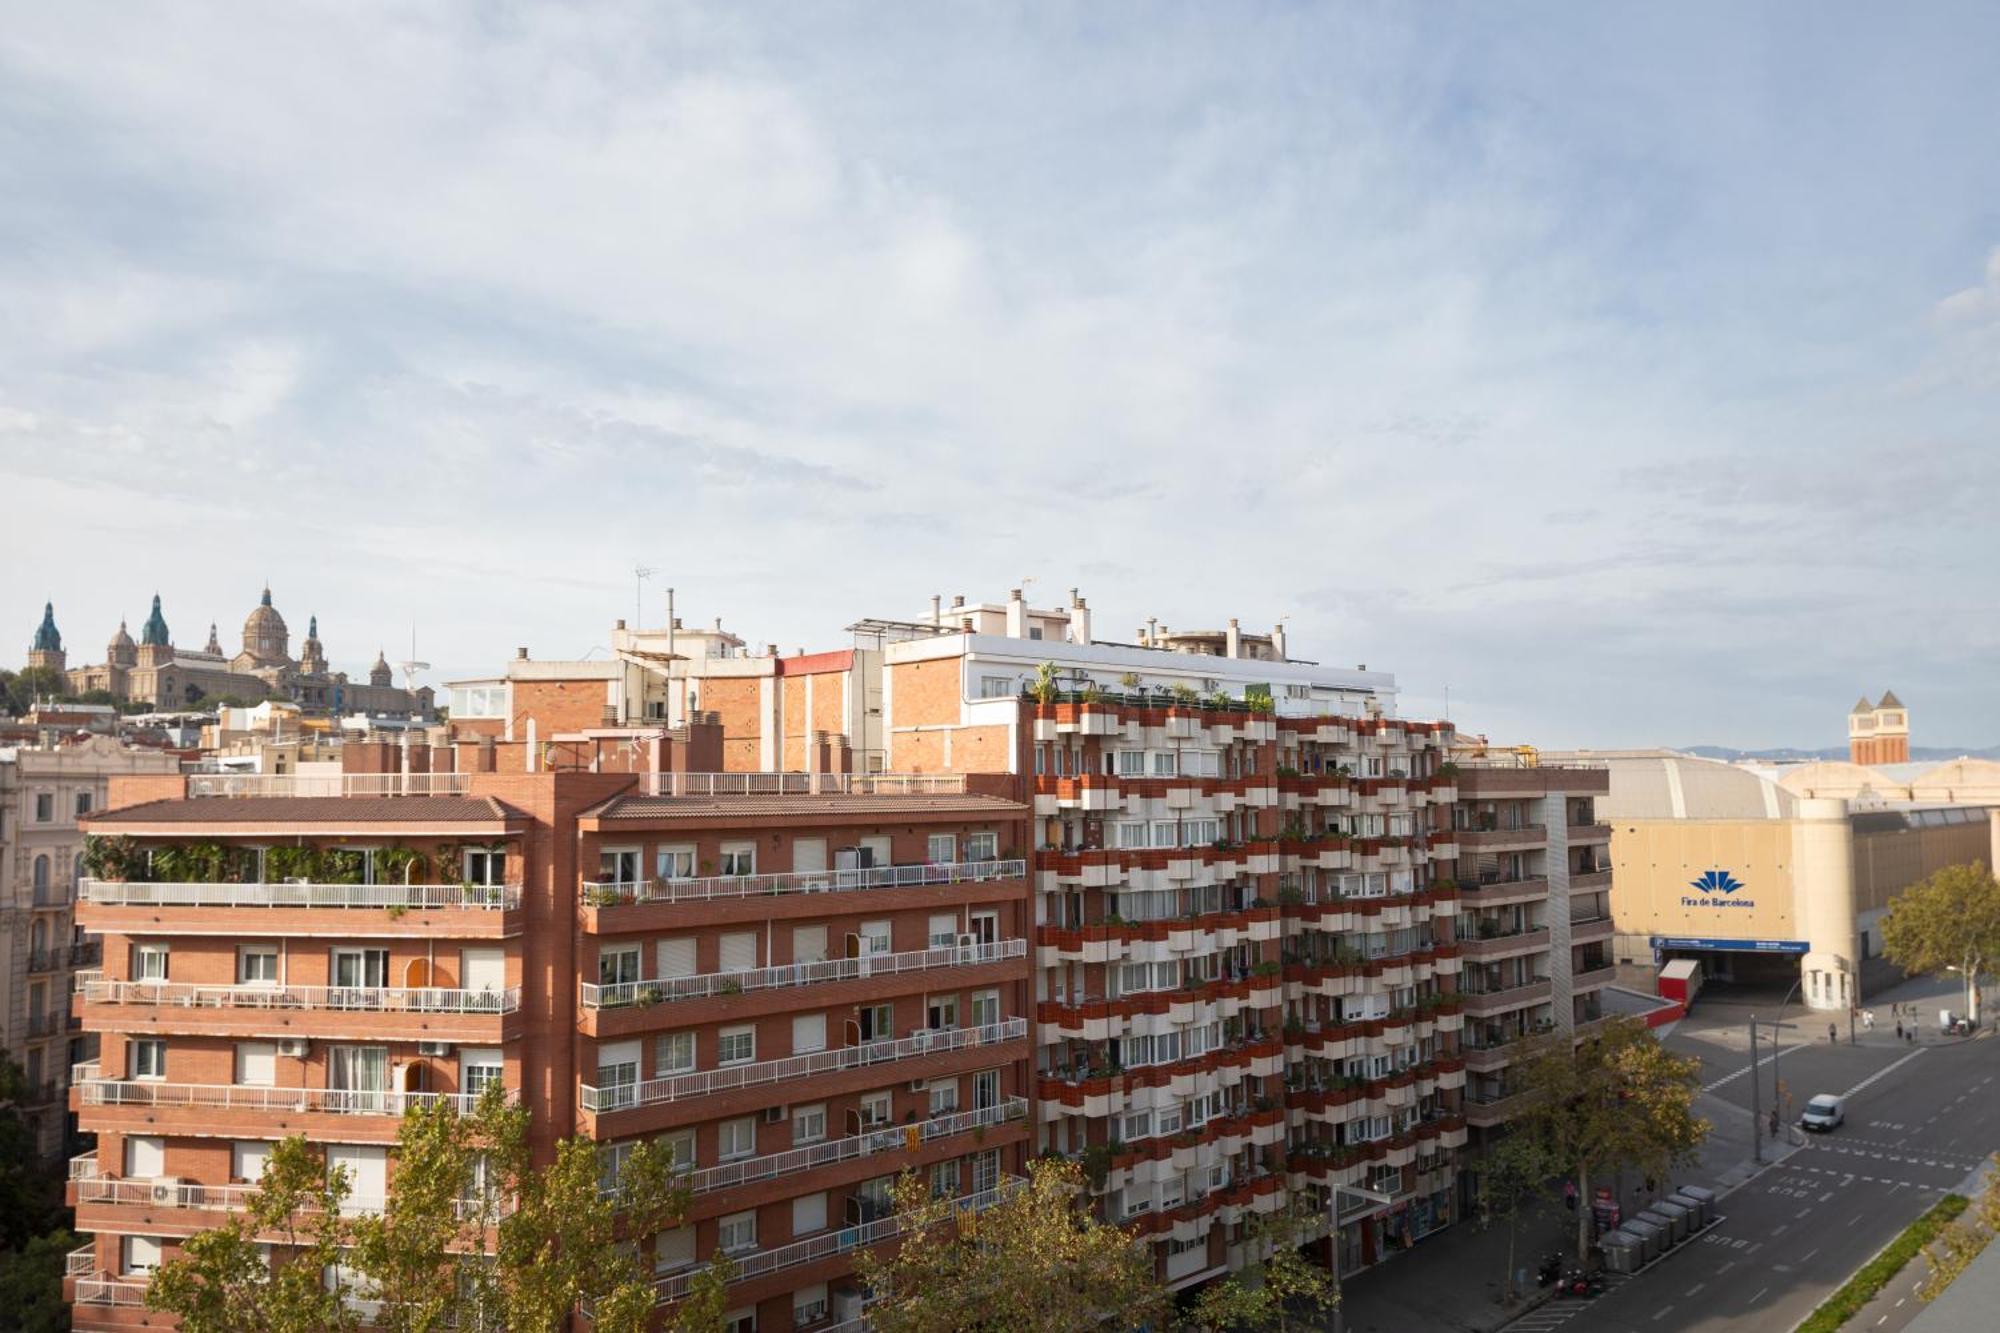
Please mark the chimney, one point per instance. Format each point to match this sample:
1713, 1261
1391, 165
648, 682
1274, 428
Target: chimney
677, 622
620, 624
1232, 640
937, 611
1079, 620
1017, 615
520, 654
1278, 641
718, 624
958, 601
1152, 631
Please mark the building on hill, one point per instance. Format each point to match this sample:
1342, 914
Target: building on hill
154, 670
1879, 733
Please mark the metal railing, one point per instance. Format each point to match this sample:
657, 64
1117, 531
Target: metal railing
601, 893
81, 1260
124, 893
387, 999
111, 1291
840, 1240
680, 1087
83, 1166
802, 784
624, 994
231, 1198
99, 1091
890, 1138
330, 784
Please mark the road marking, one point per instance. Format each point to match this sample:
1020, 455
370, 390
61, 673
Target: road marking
1882, 1074
1759, 1296
1824, 1197
1856, 1218
1662, 1313
1779, 1229
1696, 1287
1727, 1079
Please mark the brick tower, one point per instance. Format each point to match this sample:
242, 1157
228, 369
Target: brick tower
1879, 733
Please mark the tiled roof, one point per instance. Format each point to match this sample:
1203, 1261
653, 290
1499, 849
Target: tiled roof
223, 810
829, 806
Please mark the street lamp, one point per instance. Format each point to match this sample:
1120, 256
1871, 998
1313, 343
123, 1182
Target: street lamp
1376, 1197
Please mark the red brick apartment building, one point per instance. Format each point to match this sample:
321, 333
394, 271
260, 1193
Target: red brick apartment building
806, 983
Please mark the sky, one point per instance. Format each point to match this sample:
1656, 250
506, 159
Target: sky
1616, 374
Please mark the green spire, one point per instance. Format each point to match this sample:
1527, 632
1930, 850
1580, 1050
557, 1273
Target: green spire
47, 640
155, 633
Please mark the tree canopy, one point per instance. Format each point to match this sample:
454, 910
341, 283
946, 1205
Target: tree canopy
1037, 1261
1951, 919
1281, 1291
1615, 1099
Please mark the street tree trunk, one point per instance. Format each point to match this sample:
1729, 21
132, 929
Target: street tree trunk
1582, 1213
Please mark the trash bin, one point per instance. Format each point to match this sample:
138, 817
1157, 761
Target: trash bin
1653, 1242
1703, 1209
1703, 1196
1669, 1236
1682, 1218
1623, 1251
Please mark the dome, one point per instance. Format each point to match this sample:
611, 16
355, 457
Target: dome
264, 634
123, 638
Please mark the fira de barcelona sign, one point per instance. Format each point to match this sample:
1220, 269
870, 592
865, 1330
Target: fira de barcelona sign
1717, 889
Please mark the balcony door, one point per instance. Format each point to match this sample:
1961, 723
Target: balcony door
985, 1089
357, 1078
357, 975
367, 1171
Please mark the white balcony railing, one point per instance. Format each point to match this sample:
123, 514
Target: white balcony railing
384, 999
111, 1291
680, 1087
601, 893
121, 893
890, 1138
802, 784
623, 994
238, 1097
83, 1166
233, 1198
840, 1240
330, 784
81, 1260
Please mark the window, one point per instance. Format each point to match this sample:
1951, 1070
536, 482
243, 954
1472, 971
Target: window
740, 1321
674, 863
617, 1075
875, 1108
360, 969
673, 1249
808, 1124
942, 1012
1135, 1126
677, 958
681, 1145
676, 1053
618, 866
736, 1139
256, 1064
83, 804
45, 807
247, 1158
808, 944
941, 848
808, 1033
808, 1214
995, 687
360, 1074
736, 1046
479, 1070
1131, 763
1128, 833
485, 865
141, 1254
986, 1171
145, 1156
1199, 832
1166, 763
149, 962
985, 1008
944, 930
737, 1232
257, 965
737, 951
809, 1304
146, 1057
1201, 764
982, 846
944, 1097
618, 967
739, 858
41, 877
1165, 834
944, 1179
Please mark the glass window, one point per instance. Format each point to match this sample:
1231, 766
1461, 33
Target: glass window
676, 1053
808, 1033
618, 966
674, 863
256, 1064
736, 1232
808, 1215
944, 1097
45, 807
257, 965
737, 1045
83, 804
982, 846
149, 962
808, 1123
146, 1057
736, 1139
479, 1070
942, 848
739, 858
944, 1179
618, 866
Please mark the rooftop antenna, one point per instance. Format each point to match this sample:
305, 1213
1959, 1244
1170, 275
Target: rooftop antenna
411, 666
640, 573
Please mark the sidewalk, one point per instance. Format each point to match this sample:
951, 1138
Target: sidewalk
1453, 1280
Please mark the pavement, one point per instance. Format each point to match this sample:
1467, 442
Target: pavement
1922, 1118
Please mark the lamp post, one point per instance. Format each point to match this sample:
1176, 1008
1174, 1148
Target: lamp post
1375, 1197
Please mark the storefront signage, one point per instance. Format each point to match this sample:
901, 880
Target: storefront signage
1716, 888
1742, 946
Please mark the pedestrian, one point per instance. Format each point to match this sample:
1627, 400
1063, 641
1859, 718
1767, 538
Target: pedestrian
1868, 1019
1832, 1032
1774, 1122
1569, 1195
1899, 1029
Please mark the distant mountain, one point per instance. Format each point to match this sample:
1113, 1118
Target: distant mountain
1787, 755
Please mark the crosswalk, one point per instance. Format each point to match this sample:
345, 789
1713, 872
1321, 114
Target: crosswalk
1562, 1309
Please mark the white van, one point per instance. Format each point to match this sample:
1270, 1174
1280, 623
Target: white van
1823, 1112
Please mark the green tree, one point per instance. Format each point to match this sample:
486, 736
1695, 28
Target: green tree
1037, 1261
1513, 1172
1046, 686
707, 1301
1961, 1241
1950, 920
221, 1281
31, 1284
31, 1192
33, 682
1283, 1291
1616, 1099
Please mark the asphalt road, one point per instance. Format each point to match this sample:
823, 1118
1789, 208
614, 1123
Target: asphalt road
1919, 1121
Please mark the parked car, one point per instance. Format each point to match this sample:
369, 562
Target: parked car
1823, 1112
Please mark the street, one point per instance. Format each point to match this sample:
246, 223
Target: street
1920, 1120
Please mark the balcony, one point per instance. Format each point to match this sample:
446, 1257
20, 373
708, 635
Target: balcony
1503, 945
394, 897
1523, 838
682, 1087
45, 960
597, 893
109, 1191
81, 1261
1587, 977
888, 1139
802, 784
83, 1166
839, 1241
1525, 888
625, 994
345, 999
47, 1024
1502, 998
99, 1091
122, 1291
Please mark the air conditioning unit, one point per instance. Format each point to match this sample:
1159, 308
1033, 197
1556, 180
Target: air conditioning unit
775, 1115
294, 1046
968, 941
168, 1191
438, 1048
920, 1085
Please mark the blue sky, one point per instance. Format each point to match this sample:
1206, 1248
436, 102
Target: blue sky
1629, 370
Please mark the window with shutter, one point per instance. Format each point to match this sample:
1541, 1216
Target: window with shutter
256, 1064
739, 952
145, 1157
808, 1033
809, 944
673, 1249
677, 957
808, 1215
808, 856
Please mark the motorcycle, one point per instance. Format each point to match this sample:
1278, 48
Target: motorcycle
1551, 1269
1582, 1283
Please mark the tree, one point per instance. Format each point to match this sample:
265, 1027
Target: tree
1512, 1173
1036, 1261
31, 1284
221, 1281
1959, 1243
31, 683
1616, 1099
1283, 1291
1950, 920
707, 1301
